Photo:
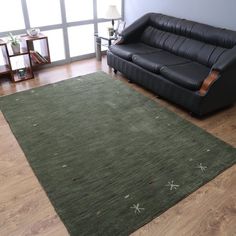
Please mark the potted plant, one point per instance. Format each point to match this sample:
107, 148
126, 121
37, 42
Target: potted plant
15, 43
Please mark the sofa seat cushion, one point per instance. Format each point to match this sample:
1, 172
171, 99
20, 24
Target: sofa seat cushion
126, 51
190, 75
155, 61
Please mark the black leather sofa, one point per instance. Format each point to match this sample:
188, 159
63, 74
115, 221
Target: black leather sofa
185, 62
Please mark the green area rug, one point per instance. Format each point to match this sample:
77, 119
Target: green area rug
109, 158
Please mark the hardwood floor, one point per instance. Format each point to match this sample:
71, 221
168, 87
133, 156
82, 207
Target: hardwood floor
25, 209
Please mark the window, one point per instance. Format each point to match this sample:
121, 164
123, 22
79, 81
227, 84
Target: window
78, 10
44, 12
81, 40
9, 9
69, 24
56, 44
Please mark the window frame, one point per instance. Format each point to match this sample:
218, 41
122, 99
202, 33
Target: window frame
64, 26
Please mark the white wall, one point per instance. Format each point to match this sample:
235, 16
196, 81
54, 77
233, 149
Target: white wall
221, 13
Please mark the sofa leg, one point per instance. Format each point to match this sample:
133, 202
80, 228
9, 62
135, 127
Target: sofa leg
191, 113
130, 81
115, 71
194, 115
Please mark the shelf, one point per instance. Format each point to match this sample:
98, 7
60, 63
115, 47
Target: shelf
39, 64
18, 54
30, 38
23, 51
28, 75
21, 63
24, 60
17, 79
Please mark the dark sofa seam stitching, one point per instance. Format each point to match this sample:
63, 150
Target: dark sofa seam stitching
162, 36
177, 64
172, 50
204, 44
220, 55
208, 61
188, 37
166, 40
192, 29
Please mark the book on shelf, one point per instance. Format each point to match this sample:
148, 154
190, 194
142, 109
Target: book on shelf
41, 57
34, 58
37, 58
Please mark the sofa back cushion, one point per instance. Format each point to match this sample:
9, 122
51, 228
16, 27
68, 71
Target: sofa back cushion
192, 49
195, 41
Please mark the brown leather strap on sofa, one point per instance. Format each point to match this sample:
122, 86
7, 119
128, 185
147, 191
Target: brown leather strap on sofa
211, 78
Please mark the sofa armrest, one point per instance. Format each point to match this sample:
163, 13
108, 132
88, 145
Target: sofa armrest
226, 61
133, 31
211, 78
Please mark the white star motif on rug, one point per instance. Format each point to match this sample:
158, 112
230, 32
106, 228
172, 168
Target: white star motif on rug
137, 209
201, 167
172, 185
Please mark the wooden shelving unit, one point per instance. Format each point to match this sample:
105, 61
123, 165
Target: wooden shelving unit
21, 68
38, 48
34, 52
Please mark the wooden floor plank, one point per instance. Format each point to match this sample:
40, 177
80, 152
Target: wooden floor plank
24, 206
211, 210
